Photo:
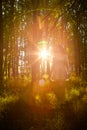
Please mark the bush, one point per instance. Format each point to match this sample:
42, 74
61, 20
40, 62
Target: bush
5, 102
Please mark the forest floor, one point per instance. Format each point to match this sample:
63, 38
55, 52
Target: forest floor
44, 106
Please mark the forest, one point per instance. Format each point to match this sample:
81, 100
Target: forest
30, 96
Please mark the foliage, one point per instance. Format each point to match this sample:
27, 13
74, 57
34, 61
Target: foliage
19, 108
59, 22
23, 23
5, 103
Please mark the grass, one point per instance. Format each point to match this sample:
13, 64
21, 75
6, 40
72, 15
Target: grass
26, 107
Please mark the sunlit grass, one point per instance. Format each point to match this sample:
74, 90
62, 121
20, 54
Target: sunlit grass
6, 101
42, 103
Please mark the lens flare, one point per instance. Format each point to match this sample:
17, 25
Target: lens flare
44, 53
41, 82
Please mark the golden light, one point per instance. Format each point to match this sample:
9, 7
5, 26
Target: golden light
41, 82
44, 54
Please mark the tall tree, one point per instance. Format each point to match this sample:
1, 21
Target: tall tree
1, 46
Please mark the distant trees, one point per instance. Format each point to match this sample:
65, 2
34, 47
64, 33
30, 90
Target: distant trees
77, 14
25, 22
1, 46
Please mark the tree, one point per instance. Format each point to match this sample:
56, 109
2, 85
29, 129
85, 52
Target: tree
1, 46
26, 22
77, 13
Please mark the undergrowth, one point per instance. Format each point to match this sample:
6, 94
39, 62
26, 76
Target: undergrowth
20, 110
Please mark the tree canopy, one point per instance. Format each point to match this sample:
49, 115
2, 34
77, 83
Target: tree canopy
26, 22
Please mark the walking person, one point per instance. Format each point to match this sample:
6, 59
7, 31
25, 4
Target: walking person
60, 70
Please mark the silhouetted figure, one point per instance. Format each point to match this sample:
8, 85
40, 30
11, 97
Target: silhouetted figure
60, 70
60, 65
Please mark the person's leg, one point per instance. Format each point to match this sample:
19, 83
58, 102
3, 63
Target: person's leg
61, 92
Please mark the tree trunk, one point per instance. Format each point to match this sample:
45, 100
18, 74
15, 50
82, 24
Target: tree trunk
1, 46
13, 41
